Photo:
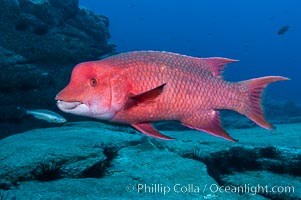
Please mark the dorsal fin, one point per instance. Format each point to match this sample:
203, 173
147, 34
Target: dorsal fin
216, 65
194, 65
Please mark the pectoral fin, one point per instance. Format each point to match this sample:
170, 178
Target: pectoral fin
145, 97
149, 130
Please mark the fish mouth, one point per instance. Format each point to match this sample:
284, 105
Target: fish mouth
65, 105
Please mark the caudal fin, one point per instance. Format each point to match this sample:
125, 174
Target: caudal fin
253, 108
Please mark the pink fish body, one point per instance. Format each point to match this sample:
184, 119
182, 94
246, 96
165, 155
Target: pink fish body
141, 87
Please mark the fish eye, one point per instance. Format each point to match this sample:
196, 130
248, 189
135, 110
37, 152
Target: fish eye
93, 82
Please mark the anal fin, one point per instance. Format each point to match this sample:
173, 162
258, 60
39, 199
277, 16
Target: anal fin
148, 129
209, 122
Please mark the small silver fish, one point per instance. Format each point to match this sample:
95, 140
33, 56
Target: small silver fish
46, 115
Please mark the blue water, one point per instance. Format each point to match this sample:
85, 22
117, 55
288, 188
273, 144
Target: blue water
244, 30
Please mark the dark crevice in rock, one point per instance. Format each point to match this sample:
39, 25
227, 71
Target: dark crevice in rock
98, 170
40, 29
50, 170
236, 159
290, 167
47, 171
5, 186
240, 159
21, 26
269, 152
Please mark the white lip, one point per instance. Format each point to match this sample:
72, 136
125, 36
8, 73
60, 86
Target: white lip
67, 105
79, 108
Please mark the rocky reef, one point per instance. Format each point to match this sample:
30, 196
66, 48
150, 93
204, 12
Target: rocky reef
90, 160
40, 42
53, 30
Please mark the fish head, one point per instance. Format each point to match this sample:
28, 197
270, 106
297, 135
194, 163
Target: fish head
91, 91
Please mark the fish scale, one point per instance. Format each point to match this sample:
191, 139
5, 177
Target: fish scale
141, 87
182, 90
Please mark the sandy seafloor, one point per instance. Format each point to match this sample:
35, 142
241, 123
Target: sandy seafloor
90, 160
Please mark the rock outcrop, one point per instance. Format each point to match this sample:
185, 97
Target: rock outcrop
53, 30
89, 160
40, 42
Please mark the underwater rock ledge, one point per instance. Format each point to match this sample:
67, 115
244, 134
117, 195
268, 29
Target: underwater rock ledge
40, 43
53, 30
93, 160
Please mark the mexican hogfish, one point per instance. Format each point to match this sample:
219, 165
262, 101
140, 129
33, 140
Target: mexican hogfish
141, 87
